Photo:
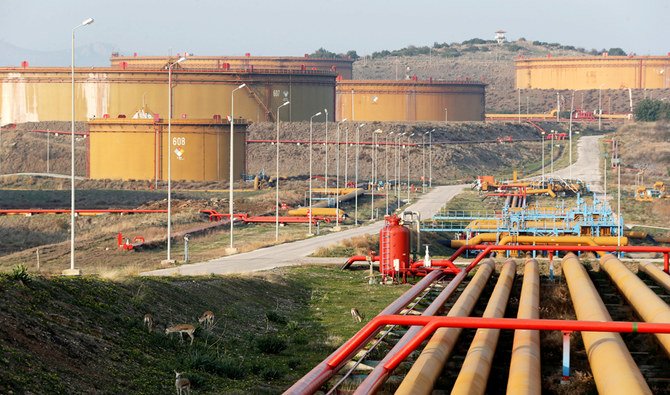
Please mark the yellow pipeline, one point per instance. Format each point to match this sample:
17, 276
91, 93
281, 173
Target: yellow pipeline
613, 368
657, 274
571, 240
320, 211
333, 191
541, 191
645, 302
421, 377
524, 371
477, 364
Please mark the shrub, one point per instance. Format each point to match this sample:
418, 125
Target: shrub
271, 344
209, 363
272, 373
649, 110
20, 274
275, 317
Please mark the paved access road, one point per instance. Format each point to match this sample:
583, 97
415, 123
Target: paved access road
587, 166
294, 253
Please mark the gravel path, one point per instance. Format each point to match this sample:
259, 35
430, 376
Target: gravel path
296, 253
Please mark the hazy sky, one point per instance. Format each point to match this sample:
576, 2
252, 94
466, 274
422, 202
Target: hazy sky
295, 27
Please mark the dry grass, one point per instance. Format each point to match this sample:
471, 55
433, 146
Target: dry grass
359, 245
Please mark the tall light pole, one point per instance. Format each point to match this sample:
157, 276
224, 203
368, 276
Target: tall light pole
553, 142
374, 171
337, 179
277, 176
232, 250
543, 158
558, 107
600, 106
430, 159
618, 204
423, 160
605, 172
169, 161
572, 104
72, 270
446, 115
408, 149
386, 169
358, 144
311, 138
346, 158
325, 176
398, 155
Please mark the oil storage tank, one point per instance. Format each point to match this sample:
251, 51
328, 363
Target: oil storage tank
593, 72
343, 67
44, 94
137, 149
410, 100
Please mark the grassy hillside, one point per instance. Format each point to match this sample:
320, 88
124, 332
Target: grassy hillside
85, 335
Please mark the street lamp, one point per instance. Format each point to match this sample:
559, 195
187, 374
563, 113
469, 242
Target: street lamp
600, 106
430, 158
423, 159
358, 144
277, 176
543, 132
572, 104
72, 270
446, 115
337, 179
325, 176
553, 142
232, 250
346, 158
169, 160
397, 167
386, 170
309, 233
408, 149
374, 171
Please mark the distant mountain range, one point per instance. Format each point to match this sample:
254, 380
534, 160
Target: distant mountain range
96, 54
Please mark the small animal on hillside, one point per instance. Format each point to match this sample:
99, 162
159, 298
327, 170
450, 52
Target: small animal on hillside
181, 329
356, 315
182, 384
207, 319
149, 322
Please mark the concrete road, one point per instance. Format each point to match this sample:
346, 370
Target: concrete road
587, 166
296, 253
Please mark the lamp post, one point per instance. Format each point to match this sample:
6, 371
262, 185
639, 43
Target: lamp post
397, 167
309, 233
72, 270
386, 170
277, 176
408, 149
358, 144
543, 159
337, 179
553, 142
325, 175
430, 158
446, 115
423, 160
346, 158
600, 106
374, 171
572, 104
232, 250
605, 183
169, 161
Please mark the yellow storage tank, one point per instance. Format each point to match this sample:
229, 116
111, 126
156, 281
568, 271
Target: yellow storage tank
593, 72
44, 94
137, 149
409, 100
342, 66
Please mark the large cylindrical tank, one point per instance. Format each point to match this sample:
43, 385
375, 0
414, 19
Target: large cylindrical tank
593, 72
342, 66
410, 100
44, 94
137, 149
394, 243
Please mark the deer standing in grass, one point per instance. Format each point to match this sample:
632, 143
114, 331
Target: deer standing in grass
182, 384
207, 319
149, 322
181, 328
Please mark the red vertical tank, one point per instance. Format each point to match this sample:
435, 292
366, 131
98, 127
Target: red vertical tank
394, 244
